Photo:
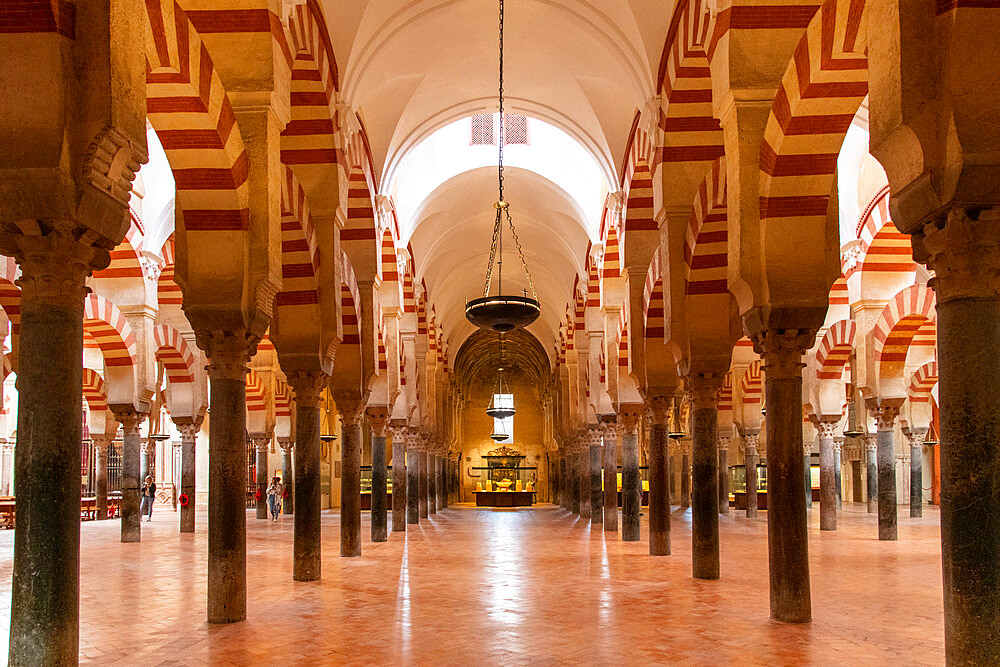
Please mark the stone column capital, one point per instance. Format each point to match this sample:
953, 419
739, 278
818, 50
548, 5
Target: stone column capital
659, 409
261, 441
885, 411
101, 443
750, 441
704, 389
782, 350
378, 417
963, 250
188, 427
351, 408
826, 428
838, 443
130, 419
628, 416
307, 386
916, 436
870, 443
228, 352
286, 445
54, 266
723, 442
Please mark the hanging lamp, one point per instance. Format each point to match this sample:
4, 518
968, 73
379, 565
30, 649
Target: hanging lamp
499, 436
497, 408
503, 312
676, 430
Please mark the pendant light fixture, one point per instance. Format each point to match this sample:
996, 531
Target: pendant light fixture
503, 312
498, 408
676, 429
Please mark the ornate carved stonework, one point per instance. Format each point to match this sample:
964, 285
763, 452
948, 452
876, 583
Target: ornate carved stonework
963, 250
826, 429
704, 389
308, 387
111, 163
228, 352
782, 350
659, 409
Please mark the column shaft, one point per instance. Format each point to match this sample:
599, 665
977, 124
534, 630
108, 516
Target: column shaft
787, 537
399, 490
705, 501
750, 464
596, 492
288, 476
380, 517
916, 481
45, 597
583, 470
442, 501
422, 476
723, 482
227, 483
101, 481
886, 484
838, 474
187, 512
431, 463
307, 543
131, 482
574, 490
872, 486
659, 494
631, 485
610, 480
412, 486
350, 488
807, 476
827, 481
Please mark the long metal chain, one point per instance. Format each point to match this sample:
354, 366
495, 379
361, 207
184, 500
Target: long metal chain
502, 208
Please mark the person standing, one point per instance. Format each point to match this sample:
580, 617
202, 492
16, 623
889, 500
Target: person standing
148, 495
274, 491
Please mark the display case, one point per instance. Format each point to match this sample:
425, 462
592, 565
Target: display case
366, 487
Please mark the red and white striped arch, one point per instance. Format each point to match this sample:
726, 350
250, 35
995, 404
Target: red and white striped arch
820, 92
125, 257
282, 399
579, 310
358, 237
705, 243
409, 294
691, 132
174, 353
885, 251
839, 295
110, 330
299, 251
751, 385
256, 396
907, 319
611, 263
10, 293
922, 382
93, 391
726, 394
835, 349
168, 292
593, 283
309, 142
388, 259
188, 107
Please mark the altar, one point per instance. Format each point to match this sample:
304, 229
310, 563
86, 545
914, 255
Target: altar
504, 485
504, 498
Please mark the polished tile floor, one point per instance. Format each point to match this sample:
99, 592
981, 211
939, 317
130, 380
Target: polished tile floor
474, 586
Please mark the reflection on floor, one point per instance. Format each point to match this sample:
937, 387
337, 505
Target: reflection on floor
513, 587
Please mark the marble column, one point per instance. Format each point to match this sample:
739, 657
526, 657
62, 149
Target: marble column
261, 443
871, 464
572, 465
962, 249
595, 481
45, 595
787, 534
659, 494
685, 474
351, 412
916, 437
430, 460
838, 469
228, 353
131, 422
672, 448
628, 417
564, 481
421, 461
609, 437
306, 484
399, 490
101, 446
287, 446
750, 466
442, 484
146, 452
724, 474
827, 478
583, 472
885, 411
704, 391
807, 472
189, 431
412, 480
378, 417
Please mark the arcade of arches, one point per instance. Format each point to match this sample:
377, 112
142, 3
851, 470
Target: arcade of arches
766, 242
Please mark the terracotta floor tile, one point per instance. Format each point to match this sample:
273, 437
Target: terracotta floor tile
510, 587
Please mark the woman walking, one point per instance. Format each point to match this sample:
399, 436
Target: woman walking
274, 491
